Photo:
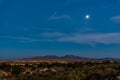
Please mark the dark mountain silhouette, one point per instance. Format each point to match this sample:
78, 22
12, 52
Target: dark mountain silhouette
67, 57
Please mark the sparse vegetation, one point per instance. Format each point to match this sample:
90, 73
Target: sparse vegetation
92, 70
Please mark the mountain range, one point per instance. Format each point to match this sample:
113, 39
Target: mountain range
67, 57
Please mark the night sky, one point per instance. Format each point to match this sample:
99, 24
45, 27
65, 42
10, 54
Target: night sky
87, 28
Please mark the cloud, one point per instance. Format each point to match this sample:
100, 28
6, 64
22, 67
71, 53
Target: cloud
87, 29
21, 39
37, 40
84, 38
80, 38
25, 39
57, 17
52, 34
92, 38
115, 19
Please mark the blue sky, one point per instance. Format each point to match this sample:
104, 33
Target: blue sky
88, 28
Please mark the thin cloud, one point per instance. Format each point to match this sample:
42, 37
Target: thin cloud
21, 39
115, 19
13, 37
86, 30
52, 34
83, 38
89, 38
37, 40
57, 17
93, 38
25, 39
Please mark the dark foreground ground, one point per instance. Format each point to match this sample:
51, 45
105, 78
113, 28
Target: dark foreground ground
81, 70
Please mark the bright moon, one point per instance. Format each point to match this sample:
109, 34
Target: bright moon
87, 16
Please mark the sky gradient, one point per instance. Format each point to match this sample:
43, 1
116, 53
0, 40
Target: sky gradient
87, 28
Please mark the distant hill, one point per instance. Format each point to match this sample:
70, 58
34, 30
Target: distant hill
67, 58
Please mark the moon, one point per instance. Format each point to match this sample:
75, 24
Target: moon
87, 16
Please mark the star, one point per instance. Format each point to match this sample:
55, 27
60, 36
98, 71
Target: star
87, 16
